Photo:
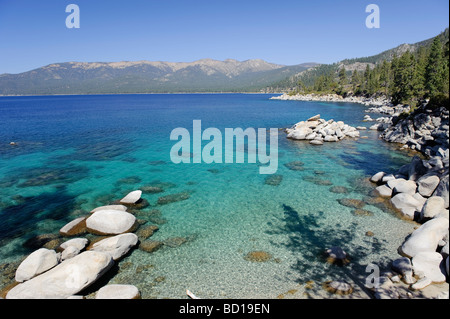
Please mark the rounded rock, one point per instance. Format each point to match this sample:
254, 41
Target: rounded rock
118, 292
110, 222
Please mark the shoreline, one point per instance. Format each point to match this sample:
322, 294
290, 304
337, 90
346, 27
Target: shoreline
103, 94
371, 295
436, 167
381, 101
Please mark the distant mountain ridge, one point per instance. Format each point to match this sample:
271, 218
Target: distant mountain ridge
308, 76
206, 75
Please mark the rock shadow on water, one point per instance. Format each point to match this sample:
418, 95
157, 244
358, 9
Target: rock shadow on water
308, 236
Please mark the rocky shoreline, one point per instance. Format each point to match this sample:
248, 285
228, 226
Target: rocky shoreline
94, 244
381, 101
419, 191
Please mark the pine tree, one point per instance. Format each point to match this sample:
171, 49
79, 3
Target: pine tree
420, 70
404, 80
435, 73
385, 77
342, 77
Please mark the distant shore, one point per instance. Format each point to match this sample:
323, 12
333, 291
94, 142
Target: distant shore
151, 93
379, 101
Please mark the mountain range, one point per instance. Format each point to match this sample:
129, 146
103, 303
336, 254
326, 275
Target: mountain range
204, 75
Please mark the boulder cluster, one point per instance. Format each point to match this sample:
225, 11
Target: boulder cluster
63, 273
425, 130
420, 192
317, 130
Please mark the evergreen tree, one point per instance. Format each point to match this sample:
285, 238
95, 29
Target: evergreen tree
386, 77
342, 77
435, 72
420, 70
404, 85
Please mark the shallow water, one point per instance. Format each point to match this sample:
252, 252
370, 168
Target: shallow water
75, 153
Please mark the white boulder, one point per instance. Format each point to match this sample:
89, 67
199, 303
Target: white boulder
109, 207
110, 222
116, 246
427, 184
426, 238
432, 207
132, 198
406, 204
429, 264
384, 191
404, 186
118, 292
36, 263
377, 177
79, 243
66, 279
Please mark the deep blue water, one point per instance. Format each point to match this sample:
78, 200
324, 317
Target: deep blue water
75, 153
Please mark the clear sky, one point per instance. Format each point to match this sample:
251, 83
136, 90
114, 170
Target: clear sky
33, 33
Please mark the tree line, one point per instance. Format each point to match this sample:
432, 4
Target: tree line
407, 79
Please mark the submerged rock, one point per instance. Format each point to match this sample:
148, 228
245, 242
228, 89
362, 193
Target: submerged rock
129, 180
150, 245
362, 212
339, 190
74, 228
336, 255
273, 180
174, 242
351, 202
151, 189
146, 231
317, 180
258, 256
173, 198
295, 166
338, 287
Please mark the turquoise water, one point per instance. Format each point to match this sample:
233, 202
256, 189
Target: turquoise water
75, 153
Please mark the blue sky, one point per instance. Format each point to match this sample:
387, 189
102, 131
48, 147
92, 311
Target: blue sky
33, 33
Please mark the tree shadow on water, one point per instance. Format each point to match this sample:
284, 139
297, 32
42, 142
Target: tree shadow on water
308, 236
